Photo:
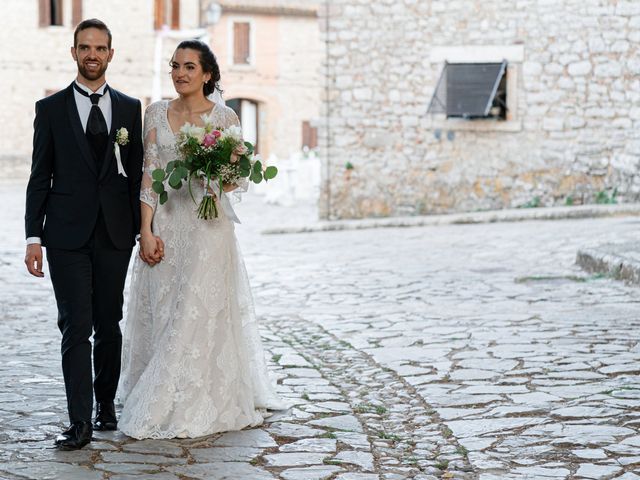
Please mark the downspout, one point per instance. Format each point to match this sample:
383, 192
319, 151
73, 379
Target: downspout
327, 173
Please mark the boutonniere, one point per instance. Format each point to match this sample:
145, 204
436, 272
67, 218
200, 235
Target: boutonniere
122, 138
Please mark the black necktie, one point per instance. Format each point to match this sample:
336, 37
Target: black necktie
97, 132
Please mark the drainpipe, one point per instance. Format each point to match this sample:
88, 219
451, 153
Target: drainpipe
327, 166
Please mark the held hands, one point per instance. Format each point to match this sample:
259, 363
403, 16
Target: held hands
151, 249
33, 259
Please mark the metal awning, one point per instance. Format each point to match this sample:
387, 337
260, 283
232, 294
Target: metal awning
469, 90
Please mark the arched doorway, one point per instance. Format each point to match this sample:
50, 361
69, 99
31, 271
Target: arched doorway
247, 111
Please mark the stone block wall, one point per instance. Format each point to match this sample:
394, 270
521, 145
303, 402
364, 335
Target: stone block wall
572, 134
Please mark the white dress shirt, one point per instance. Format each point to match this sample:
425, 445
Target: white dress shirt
83, 105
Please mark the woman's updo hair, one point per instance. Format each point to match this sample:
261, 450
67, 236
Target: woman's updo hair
207, 61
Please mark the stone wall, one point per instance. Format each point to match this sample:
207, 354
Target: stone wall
573, 130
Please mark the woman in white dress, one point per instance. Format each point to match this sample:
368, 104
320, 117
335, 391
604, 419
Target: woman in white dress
193, 362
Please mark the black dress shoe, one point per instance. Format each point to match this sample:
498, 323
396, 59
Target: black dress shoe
105, 416
76, 437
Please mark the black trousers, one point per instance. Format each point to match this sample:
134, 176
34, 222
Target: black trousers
88, 285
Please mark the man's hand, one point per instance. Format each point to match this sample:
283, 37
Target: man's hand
151, 249
33, 259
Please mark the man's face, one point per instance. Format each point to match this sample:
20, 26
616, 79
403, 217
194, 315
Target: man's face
92, 53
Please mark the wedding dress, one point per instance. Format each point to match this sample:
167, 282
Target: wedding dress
193, 362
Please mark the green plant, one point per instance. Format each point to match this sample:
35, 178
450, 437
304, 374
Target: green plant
533, 203
348, 166
569, 201
603, 198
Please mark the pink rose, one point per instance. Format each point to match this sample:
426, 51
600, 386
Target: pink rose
240, 149
234, 158
217, 133
209, 140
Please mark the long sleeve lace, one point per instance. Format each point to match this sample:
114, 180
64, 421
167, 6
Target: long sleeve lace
151, 154
243, 184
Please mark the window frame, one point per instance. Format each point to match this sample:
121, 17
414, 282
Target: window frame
231, 43
513, 54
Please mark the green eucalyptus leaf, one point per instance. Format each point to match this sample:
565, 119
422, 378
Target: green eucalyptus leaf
256, 177
257, 167
164, 196
244, 163
270, 172
157, 187
170, 166
182, 171
158, 175
175, 180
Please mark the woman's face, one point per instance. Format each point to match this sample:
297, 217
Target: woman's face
186, 72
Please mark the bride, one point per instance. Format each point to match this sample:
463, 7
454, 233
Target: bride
193, 362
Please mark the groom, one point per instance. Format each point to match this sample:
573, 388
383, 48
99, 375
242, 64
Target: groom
83, 205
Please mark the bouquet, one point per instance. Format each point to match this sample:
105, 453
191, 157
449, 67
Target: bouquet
217, 156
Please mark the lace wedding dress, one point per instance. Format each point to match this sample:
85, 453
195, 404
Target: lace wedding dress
193, 362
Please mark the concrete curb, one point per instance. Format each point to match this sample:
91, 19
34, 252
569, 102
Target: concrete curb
619, 261
510, 215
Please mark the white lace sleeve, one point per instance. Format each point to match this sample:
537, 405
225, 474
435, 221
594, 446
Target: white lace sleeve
151, 155
231, 118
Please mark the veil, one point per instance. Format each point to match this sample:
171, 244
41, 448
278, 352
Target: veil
216, 98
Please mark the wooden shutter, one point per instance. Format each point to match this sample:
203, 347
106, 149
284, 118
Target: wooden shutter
158, 17
76, 12
241, 52
309, 135
44, 13
56, 12
175, 14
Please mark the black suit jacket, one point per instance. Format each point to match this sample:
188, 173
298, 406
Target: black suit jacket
65, 190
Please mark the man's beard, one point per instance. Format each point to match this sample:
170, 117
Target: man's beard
91, 75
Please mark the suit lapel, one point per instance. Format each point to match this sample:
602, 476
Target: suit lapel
109, 154
78, 132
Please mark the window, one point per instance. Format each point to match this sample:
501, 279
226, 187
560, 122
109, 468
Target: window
471, 90
241, 43
247, 111
167, 12
50, 12
309, 135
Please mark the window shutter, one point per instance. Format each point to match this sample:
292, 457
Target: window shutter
175, 14
158, 19
56, 12
45, 13
241, 52
76, 12
309, 135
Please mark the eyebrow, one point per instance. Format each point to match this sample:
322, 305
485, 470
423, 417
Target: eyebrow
87, 45
185, 63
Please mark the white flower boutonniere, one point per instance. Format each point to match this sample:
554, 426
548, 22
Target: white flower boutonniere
122, 138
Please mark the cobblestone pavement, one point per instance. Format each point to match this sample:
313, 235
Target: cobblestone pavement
459, 352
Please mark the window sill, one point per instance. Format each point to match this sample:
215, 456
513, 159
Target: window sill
477, 125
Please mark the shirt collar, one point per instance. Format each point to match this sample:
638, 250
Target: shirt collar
100, 91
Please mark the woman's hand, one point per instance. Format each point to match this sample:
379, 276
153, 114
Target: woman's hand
229, 187
151, 249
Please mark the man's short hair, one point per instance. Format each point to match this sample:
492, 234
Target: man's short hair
91, 23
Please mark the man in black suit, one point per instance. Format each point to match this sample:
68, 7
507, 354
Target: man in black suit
83, 206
